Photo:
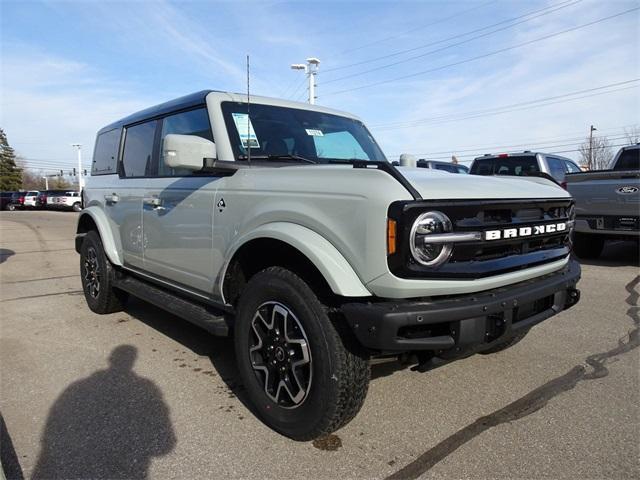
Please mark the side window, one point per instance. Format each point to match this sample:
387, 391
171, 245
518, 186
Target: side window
482, 167
105, 154
193, 122
138, 157
446, 168
572, 167
556, 168
628, 160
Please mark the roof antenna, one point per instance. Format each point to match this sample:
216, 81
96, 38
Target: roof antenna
248, 117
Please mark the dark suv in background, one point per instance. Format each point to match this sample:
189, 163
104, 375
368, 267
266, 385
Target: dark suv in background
5, 200
525, 164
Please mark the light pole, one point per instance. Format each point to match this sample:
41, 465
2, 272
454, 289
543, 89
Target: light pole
591, 130
46, 182
311, 70
78, 146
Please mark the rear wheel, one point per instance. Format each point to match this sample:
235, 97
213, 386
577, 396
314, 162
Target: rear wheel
588, 246
11, 207
304, 373
96, 273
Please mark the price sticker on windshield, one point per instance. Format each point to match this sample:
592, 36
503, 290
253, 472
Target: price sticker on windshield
245, 130
314, 133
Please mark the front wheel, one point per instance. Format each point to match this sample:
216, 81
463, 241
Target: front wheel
96, 273
77, 207
303, 371
11, 207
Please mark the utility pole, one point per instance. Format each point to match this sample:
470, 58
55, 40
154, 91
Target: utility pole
46, 183
591, 130
78, 146
311, 70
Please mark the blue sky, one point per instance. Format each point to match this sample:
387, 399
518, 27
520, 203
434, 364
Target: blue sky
69, 68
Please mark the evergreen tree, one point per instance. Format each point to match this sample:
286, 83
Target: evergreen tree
10, 173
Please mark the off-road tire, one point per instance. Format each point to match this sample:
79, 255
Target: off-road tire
588, 246
339, 367
108, 298
506, 344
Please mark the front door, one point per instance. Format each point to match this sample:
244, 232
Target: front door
177, 213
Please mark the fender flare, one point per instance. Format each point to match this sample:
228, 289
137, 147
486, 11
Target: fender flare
109, 242
335, 269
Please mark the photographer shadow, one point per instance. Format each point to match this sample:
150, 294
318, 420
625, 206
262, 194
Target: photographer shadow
108, 425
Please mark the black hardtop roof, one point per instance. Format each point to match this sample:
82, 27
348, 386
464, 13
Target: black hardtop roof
191, 100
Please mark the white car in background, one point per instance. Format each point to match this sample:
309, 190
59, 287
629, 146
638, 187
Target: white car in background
66, 201
30, 199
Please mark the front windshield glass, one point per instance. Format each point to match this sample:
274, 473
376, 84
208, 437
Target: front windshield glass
281, 131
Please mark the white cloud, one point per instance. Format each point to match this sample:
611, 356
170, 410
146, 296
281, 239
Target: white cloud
50, 102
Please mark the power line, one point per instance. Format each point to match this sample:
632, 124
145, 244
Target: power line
529, 145
545, 11
472, 156
507, 108
295, 93
511, 148
489, 54
421, 27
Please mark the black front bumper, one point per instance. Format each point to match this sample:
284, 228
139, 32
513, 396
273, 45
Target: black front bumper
463, 324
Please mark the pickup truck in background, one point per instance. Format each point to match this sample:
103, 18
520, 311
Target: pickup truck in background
607, 203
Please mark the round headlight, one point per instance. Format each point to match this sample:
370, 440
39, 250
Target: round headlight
425, 253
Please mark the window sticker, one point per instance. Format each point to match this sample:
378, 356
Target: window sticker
245, 130
314, 133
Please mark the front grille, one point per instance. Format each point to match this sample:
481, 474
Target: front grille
484, 258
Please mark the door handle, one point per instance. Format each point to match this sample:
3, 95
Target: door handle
113, 198
155, 202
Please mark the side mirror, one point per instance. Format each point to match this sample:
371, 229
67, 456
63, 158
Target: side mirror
187, 151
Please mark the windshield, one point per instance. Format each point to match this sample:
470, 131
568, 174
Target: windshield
281, 131
511, 165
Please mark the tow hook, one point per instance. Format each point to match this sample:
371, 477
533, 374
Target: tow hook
573, 296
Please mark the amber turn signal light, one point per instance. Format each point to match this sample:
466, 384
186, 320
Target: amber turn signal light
391, 236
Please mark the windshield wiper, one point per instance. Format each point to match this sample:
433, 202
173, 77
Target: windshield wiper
287, 156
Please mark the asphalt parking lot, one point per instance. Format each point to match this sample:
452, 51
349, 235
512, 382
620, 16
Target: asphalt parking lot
142, 393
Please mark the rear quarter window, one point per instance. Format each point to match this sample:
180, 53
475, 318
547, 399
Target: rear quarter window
105, 154
628, 160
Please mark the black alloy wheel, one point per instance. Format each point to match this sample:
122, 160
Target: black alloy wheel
280, 354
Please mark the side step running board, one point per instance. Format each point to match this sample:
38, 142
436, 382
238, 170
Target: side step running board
212, 321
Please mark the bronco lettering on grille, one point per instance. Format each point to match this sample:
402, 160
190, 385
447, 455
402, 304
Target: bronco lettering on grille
525, 231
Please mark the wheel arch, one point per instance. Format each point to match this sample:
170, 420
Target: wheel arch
296, 248
93, 218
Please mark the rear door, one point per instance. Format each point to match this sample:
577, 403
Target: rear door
123, 198
178, 212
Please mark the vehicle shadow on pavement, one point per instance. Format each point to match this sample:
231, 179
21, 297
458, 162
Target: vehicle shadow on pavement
108, 425
219, 350
616, 254
5, 253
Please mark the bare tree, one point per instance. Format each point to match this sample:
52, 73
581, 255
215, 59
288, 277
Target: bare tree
632, 135
598, 151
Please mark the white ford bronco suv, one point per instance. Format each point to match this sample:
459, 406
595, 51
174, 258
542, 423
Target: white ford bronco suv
284, 225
